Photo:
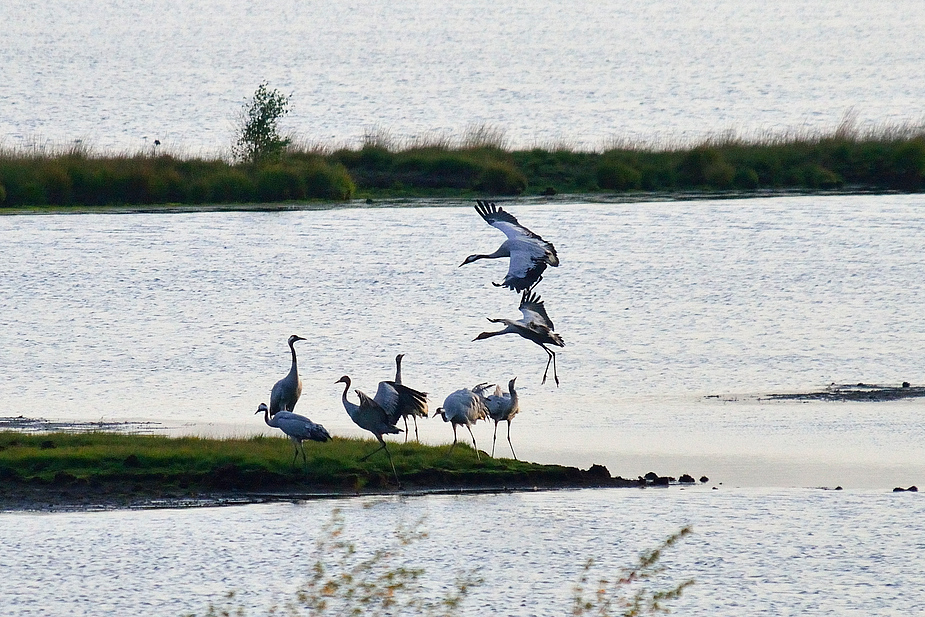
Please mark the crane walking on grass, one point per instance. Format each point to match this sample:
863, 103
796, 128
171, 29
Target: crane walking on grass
501, 407
410, 402
371, 416
286, 392
297, 428
529, 254
535, 326
463, 407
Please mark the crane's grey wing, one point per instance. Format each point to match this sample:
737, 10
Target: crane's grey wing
411, 402
300, 427
504, 221
371, 408
529, 253
534, 310
387, 397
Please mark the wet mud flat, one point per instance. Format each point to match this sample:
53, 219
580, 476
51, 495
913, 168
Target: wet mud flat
859, 392
41, 425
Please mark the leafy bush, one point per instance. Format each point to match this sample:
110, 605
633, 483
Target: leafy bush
258, 138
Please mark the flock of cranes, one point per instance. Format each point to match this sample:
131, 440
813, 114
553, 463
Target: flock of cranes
529, 257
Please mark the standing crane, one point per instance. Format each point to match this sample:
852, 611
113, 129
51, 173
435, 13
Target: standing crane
410, 402
286, 392
463, 407
501, 407
529, 254
535, 326
371, 416
297, 428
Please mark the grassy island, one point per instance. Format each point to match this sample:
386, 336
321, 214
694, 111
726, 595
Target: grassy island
480, 165
111, 469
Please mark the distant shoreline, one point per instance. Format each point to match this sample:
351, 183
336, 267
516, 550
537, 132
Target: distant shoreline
889, 160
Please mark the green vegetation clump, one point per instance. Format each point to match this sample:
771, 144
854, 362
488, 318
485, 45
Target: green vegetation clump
478, 165
156, 466
258, 138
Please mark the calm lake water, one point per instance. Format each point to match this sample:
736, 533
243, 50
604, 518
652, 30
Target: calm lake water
753, 551
120, 74
182, 319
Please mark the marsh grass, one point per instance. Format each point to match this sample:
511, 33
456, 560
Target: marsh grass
260, 463
478, 163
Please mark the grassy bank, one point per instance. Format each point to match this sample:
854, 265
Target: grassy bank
885, 160
109, 467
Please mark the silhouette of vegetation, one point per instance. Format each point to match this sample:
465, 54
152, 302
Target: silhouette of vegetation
344, 581
630, 594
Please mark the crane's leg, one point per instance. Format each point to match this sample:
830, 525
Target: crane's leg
509, 438
416, 438
304, 460
477, 455
295, 455
376, 450
454, 439
397, 481
406, 428
493, 439
554, 373
546, 372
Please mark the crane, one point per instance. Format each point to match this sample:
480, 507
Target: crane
501, 407
535, 326
529, 254
370, 415
463, 407
409, 403
286, 392
297, 428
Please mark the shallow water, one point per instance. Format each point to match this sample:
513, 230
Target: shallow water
182, 319
753, 551
120, 75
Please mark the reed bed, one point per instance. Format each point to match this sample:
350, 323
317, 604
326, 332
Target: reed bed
479, 163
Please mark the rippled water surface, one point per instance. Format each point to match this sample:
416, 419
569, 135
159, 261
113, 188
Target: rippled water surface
753, 551
120, 74
182, 319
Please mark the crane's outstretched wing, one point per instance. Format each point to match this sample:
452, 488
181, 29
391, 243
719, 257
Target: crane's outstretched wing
398, 400
529, 253
534, 311
372, 408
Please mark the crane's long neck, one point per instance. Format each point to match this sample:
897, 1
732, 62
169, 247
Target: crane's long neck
398, 369
295, 368
344, 396
266, 416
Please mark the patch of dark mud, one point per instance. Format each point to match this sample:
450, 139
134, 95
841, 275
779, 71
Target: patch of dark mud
41, 425
860, 392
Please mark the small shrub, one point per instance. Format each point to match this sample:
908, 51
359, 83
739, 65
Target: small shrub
279, 183
618, 176
501, 179
909, 165
746, 178
230, 185
328, 182
705, 166
258, 138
